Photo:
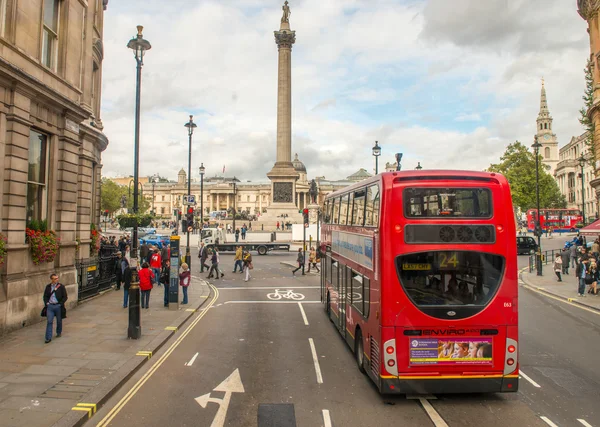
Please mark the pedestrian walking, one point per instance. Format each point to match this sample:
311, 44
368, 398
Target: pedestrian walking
237, 234
146, 277
595, 274
164, 254
247, 264
244, 232
215, 265
144, 251
156, 265
184, 281
118, 271
558, 264
300, 261
126, 271
203, 255
573, 255
238, 259
595, 248
165, 278
312, 260
277, 225
55, 297
566, 259
582, 275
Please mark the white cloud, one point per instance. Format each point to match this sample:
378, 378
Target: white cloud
412, 74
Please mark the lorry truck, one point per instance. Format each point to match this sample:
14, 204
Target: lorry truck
215, 237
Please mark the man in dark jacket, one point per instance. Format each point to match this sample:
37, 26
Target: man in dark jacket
203, 255
55, 296
144, 252
118, 271
126, 271
566, 258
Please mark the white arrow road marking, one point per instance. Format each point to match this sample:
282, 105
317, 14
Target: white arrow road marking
316, 361
303, 313
327, 418
533, 383
437, 420
584, 422
547, 421
193, 359
232, 384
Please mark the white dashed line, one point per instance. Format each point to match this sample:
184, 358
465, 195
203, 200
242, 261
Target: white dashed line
303, 313
584, 422
327, 418
533, 383
437, 420
316, 361
193, 359
547, 421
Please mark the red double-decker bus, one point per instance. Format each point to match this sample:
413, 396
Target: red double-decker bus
420, 278
558, 219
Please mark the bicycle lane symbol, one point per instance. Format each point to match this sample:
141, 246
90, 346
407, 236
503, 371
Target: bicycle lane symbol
286, 294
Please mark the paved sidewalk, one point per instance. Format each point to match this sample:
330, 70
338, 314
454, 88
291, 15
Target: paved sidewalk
41, 383
566, 290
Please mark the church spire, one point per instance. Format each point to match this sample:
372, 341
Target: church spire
544, 112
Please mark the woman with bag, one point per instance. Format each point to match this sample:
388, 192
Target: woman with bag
558, 266
184, 281
595, 274
55, 297
247, 264
146, 277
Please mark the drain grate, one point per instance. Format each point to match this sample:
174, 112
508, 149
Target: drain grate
76, 385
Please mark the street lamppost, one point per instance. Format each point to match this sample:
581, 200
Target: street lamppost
139, 46
190, 127
581, 161
201, 169
376, 154
140, 185
154, 179
538, 230
234, 183
419, 167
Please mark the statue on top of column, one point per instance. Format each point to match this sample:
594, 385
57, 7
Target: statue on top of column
286, 12
313, 192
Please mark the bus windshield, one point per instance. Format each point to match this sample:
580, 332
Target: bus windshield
447, 203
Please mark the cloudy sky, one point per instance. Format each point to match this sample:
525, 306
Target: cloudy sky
448, 83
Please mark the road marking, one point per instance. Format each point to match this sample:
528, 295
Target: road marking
529, 379
584, 422
303, 313
437, 420
232, 384
547, 421
117, 408
270, 302
315, 360
547, 295
192, 360
268, 287
288, 294
327, 418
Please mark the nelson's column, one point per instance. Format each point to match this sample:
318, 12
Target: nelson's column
283, 176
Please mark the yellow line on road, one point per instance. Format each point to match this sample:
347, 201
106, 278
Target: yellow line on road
114, 411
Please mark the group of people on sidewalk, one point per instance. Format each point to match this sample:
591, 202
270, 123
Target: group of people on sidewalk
587, 270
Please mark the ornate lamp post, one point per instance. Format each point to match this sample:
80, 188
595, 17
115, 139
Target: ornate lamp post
201, 169
419, 167
376, 154
581, 161
139, 46
190, 127
538, 230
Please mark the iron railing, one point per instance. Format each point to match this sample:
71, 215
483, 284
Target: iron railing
96, 274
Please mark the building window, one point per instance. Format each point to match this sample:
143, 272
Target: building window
541, 126
547, 153
37, 177
247, 198
163, 198
162, 211
50, 36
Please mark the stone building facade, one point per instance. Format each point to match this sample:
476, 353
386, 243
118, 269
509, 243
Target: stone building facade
588, 10
51, 142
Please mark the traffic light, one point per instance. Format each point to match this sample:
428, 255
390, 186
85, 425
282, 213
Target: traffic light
190, 217
106, 212
305, 217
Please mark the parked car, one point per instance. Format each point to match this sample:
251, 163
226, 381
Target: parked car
147, 230
156, 240
526, 245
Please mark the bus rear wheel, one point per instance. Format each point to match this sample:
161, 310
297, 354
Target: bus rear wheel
359, 351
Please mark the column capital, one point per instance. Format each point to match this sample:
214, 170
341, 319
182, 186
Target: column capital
285, 38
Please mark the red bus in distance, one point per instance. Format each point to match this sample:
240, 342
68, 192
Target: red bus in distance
420, 278
558, 219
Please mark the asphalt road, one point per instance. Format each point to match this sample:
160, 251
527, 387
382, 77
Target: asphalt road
250, 350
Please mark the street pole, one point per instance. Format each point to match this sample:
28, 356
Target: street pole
376, 152
201, 197
303, 247
134, 331
190, 125
234, 202
582, 163
538, 255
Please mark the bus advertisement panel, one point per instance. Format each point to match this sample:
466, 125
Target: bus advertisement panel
420, 278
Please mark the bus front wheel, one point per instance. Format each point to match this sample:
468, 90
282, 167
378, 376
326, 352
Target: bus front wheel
359, 351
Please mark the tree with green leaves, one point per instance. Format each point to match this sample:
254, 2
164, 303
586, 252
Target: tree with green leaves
587, 123
112, 194
517, 164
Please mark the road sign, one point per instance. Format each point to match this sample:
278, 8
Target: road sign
189, 200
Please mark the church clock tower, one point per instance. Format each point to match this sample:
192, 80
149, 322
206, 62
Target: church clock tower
549, 149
